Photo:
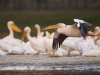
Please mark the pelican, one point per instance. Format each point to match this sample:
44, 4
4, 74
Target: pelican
39, 34
39, 40
78, 29
87, 46
9, 40
12, 27
32, 41
96, 30
97, 40
92, 53
70, 45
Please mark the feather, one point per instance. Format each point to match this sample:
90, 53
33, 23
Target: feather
84, 29
58, 41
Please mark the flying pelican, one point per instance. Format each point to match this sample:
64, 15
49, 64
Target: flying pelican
32, 41
78, 29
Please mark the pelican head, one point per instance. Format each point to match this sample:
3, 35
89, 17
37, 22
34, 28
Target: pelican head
96, 30
26, 30
13, 26
37, 26
48, 35
90, 33
59, 25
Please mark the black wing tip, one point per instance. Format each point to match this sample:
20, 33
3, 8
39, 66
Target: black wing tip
58, 41
84, 29
55, 44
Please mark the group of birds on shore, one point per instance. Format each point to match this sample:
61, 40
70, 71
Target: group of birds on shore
66, 40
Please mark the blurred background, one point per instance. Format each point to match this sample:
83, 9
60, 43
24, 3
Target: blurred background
46, 12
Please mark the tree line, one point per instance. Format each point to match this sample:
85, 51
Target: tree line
38, 5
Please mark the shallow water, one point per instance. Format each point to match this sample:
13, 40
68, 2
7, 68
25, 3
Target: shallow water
50, 70
94, 67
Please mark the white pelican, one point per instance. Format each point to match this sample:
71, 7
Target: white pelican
78, 29
39, 33
39, 40
86, 45
9, 40
95, 35
71, 46
11, 26
92, 53
97, 41
96, 30
32, 41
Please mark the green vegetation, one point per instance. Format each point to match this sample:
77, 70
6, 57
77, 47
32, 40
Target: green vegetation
23, 19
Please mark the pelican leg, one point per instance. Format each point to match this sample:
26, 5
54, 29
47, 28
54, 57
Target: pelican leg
81, 53
68, 53
66, 48
53, 53
49, 54
69, 50
37, 54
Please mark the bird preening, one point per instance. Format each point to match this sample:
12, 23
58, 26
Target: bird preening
62, 31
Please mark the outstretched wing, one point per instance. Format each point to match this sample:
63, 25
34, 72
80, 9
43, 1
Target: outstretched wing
84, 29
58, 41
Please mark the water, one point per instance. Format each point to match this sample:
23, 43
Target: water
50, 70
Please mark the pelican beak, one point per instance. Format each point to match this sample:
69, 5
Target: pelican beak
52, 27
15, 28
23, 36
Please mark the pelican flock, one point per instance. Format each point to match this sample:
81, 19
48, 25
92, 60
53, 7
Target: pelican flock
66, 40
